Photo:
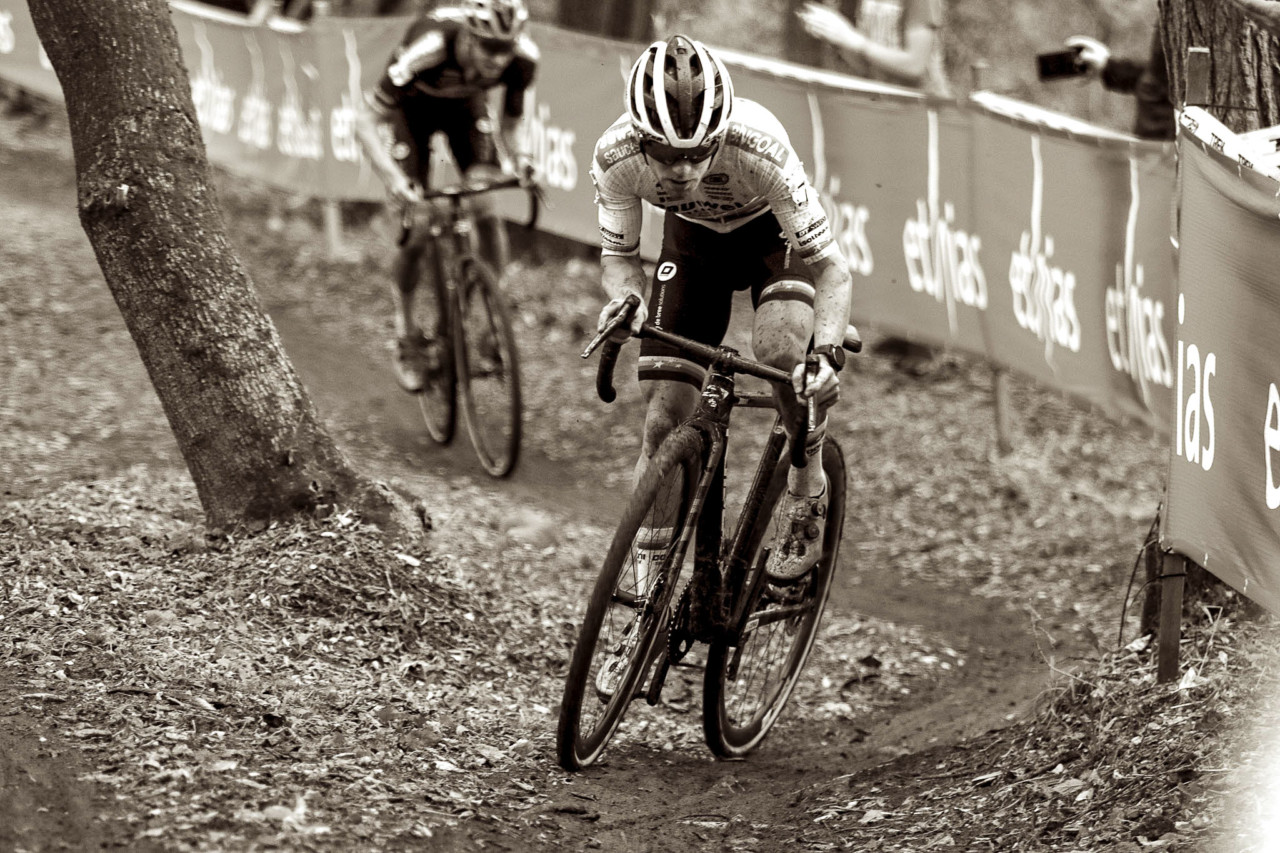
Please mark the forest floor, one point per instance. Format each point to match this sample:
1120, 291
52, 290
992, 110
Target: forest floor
977, 684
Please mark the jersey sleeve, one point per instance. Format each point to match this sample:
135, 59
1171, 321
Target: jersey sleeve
799, 211
519, 76
423, 47
774, 169
619, 209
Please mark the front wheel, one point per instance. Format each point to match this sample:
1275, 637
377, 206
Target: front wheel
438, 398
750, 675
630, 603
488, 369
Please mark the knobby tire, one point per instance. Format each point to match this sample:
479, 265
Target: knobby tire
749, 677
488, 368
438, 399
588, 718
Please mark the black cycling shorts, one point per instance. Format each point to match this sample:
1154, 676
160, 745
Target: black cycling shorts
470, 135
698, 272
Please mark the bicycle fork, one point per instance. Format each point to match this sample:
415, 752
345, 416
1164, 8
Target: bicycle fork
680, 628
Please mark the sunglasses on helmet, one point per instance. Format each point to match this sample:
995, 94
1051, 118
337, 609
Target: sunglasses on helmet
668, 155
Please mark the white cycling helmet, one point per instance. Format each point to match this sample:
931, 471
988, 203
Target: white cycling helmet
679, 93
495, 19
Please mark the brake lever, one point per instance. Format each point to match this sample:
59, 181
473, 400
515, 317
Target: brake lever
808, 423
623, 315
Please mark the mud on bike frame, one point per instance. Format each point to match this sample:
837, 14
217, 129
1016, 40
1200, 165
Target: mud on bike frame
712, 617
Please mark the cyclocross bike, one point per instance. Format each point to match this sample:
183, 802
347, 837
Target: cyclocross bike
640, 621
471, 349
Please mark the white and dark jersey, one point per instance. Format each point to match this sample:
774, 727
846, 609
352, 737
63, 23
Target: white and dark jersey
755, 171
425, 68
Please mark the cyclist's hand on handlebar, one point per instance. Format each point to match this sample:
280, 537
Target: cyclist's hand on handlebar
525, 169
816, 378
611, 309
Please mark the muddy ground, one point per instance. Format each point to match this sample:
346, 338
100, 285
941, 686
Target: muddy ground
970, 581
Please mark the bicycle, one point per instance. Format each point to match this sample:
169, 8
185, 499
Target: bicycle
472, 355
758, 630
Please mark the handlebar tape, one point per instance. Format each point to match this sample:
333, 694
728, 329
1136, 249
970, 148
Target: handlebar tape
604, 372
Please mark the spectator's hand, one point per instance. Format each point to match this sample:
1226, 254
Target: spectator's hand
829, 25
404, 190
612, 307
1093, 53
816, 377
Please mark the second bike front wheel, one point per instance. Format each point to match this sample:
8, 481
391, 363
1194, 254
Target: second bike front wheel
750, 675
488, 369
629, 604
438, 398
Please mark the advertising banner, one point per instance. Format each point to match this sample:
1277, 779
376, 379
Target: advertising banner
22, 59
260, 98
1075, 240
990, 227
1224, 465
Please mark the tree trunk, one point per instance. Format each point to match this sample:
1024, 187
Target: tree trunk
1243, 37
246, 428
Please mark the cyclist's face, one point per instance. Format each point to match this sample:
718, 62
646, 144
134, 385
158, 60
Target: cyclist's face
681, 178
488, 57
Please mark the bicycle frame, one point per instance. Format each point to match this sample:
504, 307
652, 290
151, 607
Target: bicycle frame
724, 569
636, 628
457, 220
466, 286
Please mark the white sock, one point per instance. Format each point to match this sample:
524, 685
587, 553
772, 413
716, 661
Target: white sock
808, 480
654, 538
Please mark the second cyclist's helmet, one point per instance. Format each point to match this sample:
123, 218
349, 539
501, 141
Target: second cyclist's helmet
679, 93
495, 19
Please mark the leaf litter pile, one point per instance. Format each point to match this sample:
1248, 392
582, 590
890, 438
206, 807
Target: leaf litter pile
313, 686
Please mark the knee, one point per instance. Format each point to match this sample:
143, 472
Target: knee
658, 424
665, 412
781, 351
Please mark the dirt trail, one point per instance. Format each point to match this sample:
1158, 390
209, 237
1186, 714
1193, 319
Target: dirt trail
616, 804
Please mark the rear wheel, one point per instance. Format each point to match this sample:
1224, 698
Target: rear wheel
629, 604
750, 675
438, 399
488, 373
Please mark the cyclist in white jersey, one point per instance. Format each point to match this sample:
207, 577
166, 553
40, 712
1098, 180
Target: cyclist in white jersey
740, 214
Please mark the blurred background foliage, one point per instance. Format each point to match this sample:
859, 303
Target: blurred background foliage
988, 44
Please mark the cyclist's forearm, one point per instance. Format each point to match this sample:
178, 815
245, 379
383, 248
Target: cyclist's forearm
620, 275
379, 157
833, 292
509, 138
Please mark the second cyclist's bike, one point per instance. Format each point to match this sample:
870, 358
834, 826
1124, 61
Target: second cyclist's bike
470, 346
647, 609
